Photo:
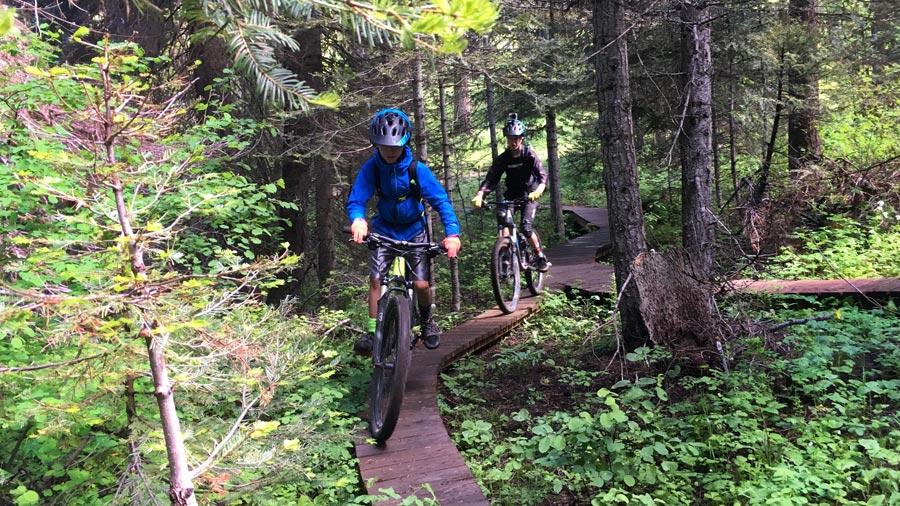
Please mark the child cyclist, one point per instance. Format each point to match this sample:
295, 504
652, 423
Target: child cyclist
525, 176
400, 215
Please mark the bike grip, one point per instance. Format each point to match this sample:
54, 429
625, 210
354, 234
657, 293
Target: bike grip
348, 230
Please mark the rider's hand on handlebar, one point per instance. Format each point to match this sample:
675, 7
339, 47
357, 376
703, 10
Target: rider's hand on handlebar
476, 201
452, 245
359, 228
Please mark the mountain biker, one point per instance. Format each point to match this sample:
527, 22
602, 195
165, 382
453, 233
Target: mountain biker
400, 215
525, 176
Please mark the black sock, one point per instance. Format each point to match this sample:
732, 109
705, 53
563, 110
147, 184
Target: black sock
424, 313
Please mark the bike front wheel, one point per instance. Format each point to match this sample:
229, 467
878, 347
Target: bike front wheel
533, 277
505, 277
391, 355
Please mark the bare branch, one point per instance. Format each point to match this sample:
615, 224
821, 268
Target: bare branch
797, 321
49, 366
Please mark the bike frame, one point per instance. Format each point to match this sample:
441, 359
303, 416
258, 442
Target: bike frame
505, 280
511, 230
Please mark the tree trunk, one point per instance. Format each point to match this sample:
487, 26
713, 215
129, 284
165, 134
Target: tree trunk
804, 143
492, 114
626, 218
553, 174
673, 303
884, 35
696, 142
421, 134
181, 489
295, 173
299, 175
455, 295
325, 227
762, 181
462, 123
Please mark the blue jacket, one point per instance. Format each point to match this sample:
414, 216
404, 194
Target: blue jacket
399, 217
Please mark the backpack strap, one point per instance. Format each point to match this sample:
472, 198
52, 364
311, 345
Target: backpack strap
415, 191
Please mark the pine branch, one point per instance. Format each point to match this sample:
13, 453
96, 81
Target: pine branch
50, 366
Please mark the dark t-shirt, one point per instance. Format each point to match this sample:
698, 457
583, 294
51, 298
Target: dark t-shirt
523, 174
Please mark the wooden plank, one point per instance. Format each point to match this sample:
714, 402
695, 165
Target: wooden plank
428, 457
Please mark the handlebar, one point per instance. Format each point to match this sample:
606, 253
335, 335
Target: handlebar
374, 240
513, 202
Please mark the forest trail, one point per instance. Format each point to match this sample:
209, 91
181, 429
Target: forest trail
420, 451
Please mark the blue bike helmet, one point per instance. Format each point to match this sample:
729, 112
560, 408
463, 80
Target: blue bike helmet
514, 126
389, 127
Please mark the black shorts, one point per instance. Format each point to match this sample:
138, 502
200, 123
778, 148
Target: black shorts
419, 263
528, 209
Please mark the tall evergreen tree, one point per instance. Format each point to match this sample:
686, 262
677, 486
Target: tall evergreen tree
695, 136
804, 144
626, 218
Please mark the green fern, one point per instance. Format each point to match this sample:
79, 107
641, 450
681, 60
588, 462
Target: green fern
254, 38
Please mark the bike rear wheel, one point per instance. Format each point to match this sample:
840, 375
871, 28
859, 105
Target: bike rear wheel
391, 355
533, 277
505, 277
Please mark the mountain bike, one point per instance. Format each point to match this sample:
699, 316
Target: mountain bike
394, 336
513, 254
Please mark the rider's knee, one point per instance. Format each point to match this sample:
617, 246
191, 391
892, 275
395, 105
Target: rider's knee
527, 228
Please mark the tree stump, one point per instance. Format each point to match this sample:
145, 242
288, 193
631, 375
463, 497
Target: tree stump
675, 306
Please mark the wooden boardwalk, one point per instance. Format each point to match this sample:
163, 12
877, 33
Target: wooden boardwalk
574, 268
421, 452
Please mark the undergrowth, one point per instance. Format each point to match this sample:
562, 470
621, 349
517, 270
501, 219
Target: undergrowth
844, 248
551, 418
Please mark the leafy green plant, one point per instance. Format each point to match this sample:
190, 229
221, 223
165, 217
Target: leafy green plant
816, 426
844, 248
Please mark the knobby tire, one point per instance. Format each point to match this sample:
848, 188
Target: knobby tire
505, 277
389, 378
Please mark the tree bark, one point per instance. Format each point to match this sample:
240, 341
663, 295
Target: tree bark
455, 292
419, 99
181, 489
673, 303
325, 227
626, 218
462, 123
298, 172
696, 141
762, 181
421, 133
553, 174
492, 114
